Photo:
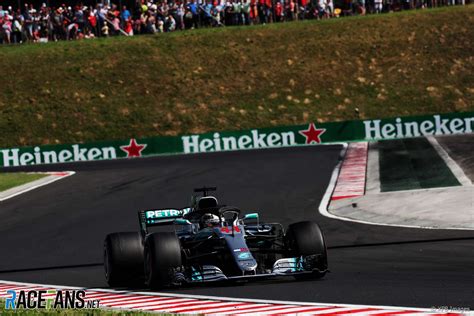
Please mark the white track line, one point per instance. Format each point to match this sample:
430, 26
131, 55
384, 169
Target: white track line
455, 169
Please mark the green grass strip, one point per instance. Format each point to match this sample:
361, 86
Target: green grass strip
11, 180
412, 164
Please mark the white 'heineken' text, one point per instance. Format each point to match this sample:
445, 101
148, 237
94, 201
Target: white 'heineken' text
197, 143
374, 129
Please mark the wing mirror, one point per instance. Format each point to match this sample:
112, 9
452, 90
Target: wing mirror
182, 221
251, 216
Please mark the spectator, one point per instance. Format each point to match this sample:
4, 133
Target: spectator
378, 6
330, 8
269, 11
237, 12
253, 12
246, 12
17, 28
125, 14
170, 23
115, 24
278, 12
262, 16
128, 27
180, 12
193, 8
28, 21
290, 10
105, 30
360, 7
92, 22
79, 17
7, 27
207, 17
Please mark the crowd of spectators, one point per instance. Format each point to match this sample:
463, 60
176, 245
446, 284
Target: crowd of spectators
49, 23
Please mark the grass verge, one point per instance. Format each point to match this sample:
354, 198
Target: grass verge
407, 63
72, 312
410, 164
11, 180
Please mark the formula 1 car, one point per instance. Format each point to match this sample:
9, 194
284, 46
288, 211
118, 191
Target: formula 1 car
211, 242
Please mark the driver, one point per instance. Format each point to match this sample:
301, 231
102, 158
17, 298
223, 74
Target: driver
209, 220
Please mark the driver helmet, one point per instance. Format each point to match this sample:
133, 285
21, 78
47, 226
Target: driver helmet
209, 220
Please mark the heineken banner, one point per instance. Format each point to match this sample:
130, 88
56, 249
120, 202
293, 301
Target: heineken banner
307, 134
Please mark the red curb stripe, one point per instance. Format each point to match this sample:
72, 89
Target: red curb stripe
199, 309
217, 310
335, 198
126, 298
104, 295
265, 309
398, 313
303, 310
351, 180
152, 299
59, 174
198, 303
220, 312
161, 305
357, 310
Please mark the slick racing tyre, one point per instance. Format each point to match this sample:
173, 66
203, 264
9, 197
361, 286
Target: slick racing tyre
306, 239
162, 258
123, 259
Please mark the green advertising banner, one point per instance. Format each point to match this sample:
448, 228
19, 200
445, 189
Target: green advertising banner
308, 134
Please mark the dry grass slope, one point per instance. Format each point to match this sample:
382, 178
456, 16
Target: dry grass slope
219, 79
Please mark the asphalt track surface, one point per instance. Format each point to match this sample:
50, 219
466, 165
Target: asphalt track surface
54, 234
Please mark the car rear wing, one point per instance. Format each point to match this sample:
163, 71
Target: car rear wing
159, 217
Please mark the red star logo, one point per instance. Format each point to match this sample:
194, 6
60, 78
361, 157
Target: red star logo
133, 149
312, 134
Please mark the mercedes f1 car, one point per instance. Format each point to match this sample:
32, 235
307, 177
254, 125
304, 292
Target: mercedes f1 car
210, 242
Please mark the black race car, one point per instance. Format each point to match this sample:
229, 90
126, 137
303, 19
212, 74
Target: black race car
211, 243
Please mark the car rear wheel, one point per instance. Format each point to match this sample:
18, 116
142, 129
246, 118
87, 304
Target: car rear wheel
162, 258
123, 259
306, 239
